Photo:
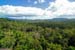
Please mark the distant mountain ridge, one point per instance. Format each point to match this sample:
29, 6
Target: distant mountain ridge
59, 19
41, 20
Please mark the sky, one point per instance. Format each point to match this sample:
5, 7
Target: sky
37, 9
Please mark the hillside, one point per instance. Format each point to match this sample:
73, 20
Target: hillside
45, 35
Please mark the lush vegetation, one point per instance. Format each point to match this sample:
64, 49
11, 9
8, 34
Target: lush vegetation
45, 35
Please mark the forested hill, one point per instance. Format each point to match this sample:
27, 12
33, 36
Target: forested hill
37, 35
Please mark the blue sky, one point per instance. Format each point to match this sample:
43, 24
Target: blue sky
37, 9
25, 3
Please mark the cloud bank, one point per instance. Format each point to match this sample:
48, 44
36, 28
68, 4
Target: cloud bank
17, 11
56, 9
62, 7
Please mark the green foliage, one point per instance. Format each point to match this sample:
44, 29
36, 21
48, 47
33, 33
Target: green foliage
71, 48
45, 35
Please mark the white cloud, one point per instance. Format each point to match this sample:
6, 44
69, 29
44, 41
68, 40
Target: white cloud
24, 11
15, 10
35, 2
62, 7
41, 1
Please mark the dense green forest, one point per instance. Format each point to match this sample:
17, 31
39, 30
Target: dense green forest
44, 35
